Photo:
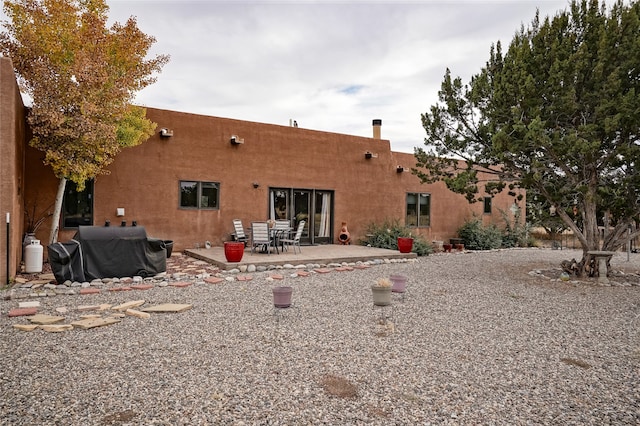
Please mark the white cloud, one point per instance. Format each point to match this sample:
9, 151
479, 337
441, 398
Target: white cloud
331, 65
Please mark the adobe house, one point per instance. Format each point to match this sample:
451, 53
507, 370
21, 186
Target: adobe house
198, 173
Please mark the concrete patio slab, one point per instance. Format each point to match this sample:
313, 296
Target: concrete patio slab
323, 254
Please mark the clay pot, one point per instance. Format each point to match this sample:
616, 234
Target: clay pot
282, 297
399, 283
447, 247
381, 295
344, 237
233, 251
405, 244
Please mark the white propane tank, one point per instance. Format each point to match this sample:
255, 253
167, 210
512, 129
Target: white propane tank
33, 257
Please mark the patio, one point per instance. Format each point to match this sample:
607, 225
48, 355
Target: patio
323, 254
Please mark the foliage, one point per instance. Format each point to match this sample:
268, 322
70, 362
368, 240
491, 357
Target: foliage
33, 219
559, 113
385, 235
515, 233
476, 236
81, 77
383, 282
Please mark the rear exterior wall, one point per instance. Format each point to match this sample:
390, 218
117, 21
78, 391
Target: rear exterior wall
144, 180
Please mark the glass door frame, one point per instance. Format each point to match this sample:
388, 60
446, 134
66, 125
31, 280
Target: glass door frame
286, 200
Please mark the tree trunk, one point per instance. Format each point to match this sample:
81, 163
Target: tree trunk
57, 209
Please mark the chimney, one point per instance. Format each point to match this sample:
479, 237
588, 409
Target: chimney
377, 124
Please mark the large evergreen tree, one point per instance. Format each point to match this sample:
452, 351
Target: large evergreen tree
559, 113
81, 77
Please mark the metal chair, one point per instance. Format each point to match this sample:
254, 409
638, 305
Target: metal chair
295, 241
239, 231
281, 229
260, 236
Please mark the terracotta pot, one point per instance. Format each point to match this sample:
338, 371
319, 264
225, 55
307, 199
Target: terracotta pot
405, 244
282, 297
233, 251
399, 283
381, 295
447, 247
459, 247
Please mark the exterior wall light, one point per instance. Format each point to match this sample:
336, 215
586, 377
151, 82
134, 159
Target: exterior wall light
166, 133
399, 169
235, 140
368, 155
256, 185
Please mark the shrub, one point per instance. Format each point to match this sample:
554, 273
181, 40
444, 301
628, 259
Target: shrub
385, 235
479, 237
516, 234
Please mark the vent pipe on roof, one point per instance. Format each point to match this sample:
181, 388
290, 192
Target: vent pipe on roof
377, 125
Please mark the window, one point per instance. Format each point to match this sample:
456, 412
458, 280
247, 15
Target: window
199, 195
77, 206
418, 209
487, 205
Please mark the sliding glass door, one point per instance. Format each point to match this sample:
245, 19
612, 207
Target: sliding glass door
315, 207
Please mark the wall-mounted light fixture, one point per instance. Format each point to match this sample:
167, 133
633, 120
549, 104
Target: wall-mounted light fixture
256, 185
368, 155
235, 140
399, 169
166, 133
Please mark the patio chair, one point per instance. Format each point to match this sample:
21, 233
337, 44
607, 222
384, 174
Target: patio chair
239, 231
281, 229
295, 241
260, 236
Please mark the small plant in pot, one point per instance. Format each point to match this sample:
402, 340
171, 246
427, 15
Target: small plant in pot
381, 292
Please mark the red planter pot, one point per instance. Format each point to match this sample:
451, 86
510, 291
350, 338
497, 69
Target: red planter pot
233, 251
405, 244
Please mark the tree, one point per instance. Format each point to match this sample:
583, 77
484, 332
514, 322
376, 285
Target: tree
81, 77
558, 113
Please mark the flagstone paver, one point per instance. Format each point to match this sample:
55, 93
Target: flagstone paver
142, 287
128, 305
138, 314
56, 328
45, 319
94, 322
25, 327
22, 312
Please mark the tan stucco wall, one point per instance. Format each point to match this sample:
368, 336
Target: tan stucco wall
12, 136
144, 180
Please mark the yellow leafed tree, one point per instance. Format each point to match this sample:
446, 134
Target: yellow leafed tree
81, 76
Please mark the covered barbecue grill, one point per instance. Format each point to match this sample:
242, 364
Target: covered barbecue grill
107, 252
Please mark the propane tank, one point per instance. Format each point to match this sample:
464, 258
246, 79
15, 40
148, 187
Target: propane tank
33, 257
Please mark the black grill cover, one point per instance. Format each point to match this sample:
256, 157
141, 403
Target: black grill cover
118, 251
66, 261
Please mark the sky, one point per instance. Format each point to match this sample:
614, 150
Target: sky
332, 66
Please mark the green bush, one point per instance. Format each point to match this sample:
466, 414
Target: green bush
516, 234
479, 237
385, 235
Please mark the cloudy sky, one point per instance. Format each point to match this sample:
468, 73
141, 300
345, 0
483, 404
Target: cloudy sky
330, 65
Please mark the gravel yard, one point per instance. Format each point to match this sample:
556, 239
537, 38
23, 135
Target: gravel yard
478, 339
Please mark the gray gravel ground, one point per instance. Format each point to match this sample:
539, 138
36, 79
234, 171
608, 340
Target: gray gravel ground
477, 340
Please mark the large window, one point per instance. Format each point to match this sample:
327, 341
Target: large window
77, 206
199, 195
418, 209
